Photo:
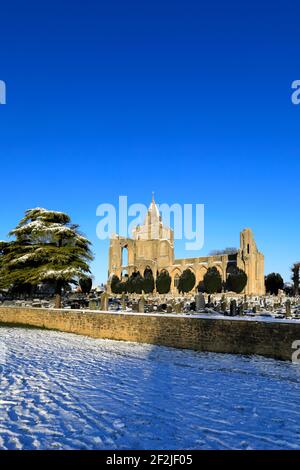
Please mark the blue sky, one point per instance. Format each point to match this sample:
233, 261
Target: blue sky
190, 99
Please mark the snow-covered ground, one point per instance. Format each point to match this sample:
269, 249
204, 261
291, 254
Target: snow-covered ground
62, 391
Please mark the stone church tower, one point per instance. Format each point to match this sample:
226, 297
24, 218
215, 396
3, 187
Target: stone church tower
152, 246
252, 262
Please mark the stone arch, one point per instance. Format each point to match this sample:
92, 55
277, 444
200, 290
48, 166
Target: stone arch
220, 269
230, 268
124, 274
201, 270
176, 280
121, 255
192, 268
127, 246
124, 255
111, 276
175, 275
164, 270
147, 268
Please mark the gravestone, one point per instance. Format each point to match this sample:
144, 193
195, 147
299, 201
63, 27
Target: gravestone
93, 304
200, 302
104, 301
288, 308
223, 305
169, 308
123, 302
233, 308
142, 305
36, 304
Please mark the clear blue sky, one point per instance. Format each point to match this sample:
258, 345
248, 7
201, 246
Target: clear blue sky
190, 99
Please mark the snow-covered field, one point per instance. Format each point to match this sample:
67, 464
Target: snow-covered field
62, 391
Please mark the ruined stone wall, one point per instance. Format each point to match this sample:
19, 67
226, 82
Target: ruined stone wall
216, 335
159, 254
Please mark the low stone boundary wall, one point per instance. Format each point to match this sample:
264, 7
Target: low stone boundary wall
267, 338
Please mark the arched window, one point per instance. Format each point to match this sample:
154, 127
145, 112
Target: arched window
176, 280
148, 271
124, 274
124, 261
248, 248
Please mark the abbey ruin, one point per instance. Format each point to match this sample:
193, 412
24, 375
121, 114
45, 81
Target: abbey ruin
152, 246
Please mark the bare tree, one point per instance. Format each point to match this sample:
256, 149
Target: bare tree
225, 251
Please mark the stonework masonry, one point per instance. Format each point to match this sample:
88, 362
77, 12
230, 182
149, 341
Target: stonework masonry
271, 339
152, 246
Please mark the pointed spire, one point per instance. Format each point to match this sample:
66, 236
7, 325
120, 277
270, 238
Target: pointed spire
153, 211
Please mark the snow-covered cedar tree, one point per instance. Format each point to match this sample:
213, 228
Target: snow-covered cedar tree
47, 247
187, 281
